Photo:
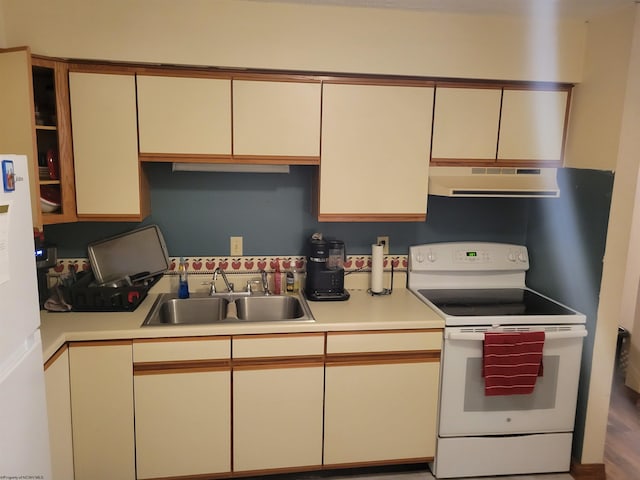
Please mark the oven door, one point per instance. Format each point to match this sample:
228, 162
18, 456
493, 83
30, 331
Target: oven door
465, 410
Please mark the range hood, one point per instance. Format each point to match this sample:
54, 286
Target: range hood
493, 182
229, 168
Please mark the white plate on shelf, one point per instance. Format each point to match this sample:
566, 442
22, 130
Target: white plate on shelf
47, 206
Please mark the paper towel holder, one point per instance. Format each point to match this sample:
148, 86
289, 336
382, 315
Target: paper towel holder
385, 291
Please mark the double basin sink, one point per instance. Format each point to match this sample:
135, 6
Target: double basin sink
203, 309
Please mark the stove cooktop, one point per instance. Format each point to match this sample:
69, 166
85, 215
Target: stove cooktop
492, 302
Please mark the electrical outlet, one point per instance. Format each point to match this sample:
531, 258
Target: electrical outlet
235, 246
384, 241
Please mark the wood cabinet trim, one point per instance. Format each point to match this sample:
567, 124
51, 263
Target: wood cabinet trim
276, 159
185, 157
294, 75
18, 49
378, 463
100, 343
381, 82
587, 471
502, 162
111, 218
385, 332
272, 471
470, 84
58, 353
65, 148
274, 77
181, 366
200, 476
259, 336
101, 68
268, 363
182, 339
382, 358
372, 217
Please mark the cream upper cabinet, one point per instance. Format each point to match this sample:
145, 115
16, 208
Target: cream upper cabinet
109, 182
381, 396
102, 410
532, 125
465, 123
181, 115
276, 118
375, 152
278, 383
182, 407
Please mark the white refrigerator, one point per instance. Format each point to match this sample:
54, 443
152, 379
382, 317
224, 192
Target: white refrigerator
24, 434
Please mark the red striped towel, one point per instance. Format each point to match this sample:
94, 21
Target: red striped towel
512, 362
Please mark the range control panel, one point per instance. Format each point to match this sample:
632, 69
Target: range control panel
468, 256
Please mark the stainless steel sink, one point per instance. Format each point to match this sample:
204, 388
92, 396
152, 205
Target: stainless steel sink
269, 308
227, 308
169, 310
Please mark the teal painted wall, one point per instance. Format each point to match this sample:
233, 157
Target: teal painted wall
566, 241
198, 212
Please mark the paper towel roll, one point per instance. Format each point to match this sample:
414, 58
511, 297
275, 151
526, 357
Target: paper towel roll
377, 268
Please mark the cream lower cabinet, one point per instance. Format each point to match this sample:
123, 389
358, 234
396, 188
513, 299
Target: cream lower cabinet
277, 402
381, 397
102, 410
56, 377
110, 184
375, 152
182, 407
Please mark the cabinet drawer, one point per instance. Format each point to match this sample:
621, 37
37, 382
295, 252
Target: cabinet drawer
286, 345
387, 341
177, 349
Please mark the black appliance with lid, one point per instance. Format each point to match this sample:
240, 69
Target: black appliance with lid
123, 269
325, 270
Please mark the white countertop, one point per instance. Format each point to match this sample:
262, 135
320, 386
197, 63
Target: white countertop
400, 310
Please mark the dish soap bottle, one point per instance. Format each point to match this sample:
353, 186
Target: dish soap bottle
277, 280
183, 285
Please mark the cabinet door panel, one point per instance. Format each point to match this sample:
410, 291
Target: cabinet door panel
181, 349
183, 423
465, 123
383, 341
278, 345
105, 148
179, 115
380, 412
532, 125
375, 149
102, 409
276, 118
56, 376
277, 418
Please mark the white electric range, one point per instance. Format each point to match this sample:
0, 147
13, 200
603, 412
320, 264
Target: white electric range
479, 287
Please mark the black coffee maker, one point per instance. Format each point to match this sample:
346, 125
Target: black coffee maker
325, 269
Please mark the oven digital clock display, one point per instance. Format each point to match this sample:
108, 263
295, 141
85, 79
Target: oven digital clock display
471, 256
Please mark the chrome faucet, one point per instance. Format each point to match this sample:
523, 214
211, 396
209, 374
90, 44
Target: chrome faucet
265, 282
224, 277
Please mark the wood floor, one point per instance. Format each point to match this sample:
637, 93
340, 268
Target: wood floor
622, 445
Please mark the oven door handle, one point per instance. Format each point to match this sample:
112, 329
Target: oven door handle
548, 335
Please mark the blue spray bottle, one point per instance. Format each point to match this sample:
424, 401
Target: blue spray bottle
183, 286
